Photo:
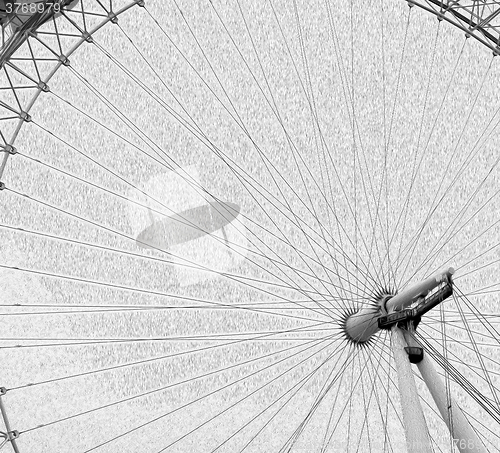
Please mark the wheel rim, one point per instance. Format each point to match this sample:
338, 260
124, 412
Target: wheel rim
319, 260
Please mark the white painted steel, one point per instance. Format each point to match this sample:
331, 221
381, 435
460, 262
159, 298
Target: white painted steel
406, 297
417, 435
464, 437
363, 324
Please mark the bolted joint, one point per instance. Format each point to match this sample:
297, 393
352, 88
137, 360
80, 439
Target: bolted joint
43, 86
13, 434
64, 60
25, 116
88, 37
3, 390
141, 3
113, 17
9, 149
2, 187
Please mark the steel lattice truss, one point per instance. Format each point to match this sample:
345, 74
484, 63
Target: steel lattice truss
477, 18
34, 46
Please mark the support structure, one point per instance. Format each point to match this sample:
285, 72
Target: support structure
462, 434
401, 313
417, 435
10, 435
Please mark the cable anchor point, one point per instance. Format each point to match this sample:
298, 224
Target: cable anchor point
9, 149
10, 435
64, 60
25, 116
43, 87
113, 17
87, 37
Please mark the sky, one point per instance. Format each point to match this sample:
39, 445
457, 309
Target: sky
359, 142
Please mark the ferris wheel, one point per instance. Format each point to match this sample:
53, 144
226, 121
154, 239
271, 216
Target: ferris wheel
249, 226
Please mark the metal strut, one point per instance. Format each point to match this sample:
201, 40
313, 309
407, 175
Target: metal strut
403, 324
404, 312
416, 431
10, 435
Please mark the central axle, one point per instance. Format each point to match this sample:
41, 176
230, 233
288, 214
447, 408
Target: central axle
410, 304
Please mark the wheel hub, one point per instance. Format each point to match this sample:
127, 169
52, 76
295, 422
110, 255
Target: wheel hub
400, 308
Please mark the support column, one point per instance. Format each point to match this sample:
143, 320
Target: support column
464, 437
417, 436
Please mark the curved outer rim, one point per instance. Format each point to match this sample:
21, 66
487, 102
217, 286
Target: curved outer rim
420, 3
486, 39
52, 73
468, 31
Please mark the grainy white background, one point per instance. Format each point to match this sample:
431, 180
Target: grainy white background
404, 104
